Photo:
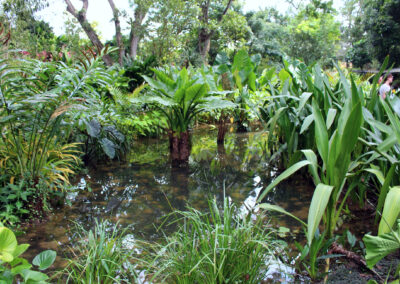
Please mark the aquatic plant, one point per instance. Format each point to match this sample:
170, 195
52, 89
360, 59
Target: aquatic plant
100, 255
216, 247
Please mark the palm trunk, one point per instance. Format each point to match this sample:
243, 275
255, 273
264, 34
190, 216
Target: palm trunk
179, 145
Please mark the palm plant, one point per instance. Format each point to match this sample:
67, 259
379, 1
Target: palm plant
180, 97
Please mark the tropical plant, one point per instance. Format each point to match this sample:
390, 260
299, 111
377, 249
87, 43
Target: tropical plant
240, 77
221, 246
336, 154
180, 97
100, 255
37, 99
16, 269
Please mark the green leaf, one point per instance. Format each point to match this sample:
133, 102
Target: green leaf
330, 118
33, 275
384, 190
312, 158
18, 269
20, 250
321, 133
380, 246
93, 128
303, 100
287, 173
306, 123
195, 92
271, 207
317, 208
8, 244
108, 147
391, 211
45, 259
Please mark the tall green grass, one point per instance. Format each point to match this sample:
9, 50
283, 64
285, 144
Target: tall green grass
100, 256
215, 247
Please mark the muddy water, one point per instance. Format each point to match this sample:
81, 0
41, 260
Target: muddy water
142, 190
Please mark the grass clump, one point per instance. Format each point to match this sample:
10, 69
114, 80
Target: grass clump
214, 247
100, 256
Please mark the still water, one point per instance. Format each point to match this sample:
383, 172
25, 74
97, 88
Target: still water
142, 190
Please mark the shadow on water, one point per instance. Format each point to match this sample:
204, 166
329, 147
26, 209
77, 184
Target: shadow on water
144, 189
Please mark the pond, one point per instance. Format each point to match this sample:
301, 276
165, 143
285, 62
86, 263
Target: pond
142, 190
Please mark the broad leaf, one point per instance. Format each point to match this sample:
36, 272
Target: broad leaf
108, 147
33, 276
391, 210
93, 128
8, 244
44, 259
380, 246
317, 208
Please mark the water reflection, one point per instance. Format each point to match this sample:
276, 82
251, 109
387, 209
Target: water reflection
144, 189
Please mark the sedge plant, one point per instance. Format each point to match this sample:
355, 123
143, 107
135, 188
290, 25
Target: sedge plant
215, 247
99, 255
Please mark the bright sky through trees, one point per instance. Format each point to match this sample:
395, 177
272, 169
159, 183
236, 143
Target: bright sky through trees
100, 12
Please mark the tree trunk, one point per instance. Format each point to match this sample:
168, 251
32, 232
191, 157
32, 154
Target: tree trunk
90, 32
118, 34
179, 145
222, 128
204, 44
136, 29
134, 44
204, 33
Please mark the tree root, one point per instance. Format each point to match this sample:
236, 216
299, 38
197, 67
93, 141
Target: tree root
339, 249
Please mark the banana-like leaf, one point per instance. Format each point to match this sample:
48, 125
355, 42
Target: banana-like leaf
317, 208
391, 211
380, 246
271, 207
287, 173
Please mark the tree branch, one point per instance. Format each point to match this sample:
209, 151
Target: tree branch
118, 34
71, 9
225, 11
